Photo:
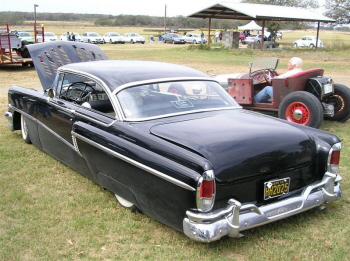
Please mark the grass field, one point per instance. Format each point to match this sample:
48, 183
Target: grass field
50, 212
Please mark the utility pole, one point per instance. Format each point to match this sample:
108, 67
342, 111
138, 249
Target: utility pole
165, 20
35, 6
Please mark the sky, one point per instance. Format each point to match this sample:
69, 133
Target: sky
112, 7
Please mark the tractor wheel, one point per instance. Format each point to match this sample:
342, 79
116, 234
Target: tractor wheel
302, 108
341, 102
24, 50
177, 89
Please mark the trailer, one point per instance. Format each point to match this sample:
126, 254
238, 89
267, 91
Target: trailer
12, 49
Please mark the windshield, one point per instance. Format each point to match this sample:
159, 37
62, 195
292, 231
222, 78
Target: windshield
114, 34
49, 34
171, 98
265, 63
94, 34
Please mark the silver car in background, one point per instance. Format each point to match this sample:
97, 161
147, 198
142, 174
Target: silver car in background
194, 38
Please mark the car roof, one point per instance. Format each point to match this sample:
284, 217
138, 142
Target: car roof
119, 72
90, 59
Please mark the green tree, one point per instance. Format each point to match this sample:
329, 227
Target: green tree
338, 10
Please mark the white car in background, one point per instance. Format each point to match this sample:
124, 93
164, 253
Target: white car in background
48, 37
78, 38
134, 38
193, 38
113, 38
92, 37
308, 41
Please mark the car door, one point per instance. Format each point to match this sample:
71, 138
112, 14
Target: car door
304, 41
55, 132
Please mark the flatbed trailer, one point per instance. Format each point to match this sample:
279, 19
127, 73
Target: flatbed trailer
12, 49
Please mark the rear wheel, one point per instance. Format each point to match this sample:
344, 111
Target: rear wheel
311, 45
127, 204
302, 108
341, 102
25, 131
295, 45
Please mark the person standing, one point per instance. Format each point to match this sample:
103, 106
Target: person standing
202, 37
68, 36
72, 37
216, 38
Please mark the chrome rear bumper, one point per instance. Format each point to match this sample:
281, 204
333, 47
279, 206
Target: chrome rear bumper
208, 227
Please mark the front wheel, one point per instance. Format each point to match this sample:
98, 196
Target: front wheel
302, 108
341, 102
25, 131
295, 45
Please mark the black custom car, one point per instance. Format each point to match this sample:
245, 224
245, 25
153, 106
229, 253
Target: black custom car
169, 141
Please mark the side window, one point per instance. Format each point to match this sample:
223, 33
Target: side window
83, 91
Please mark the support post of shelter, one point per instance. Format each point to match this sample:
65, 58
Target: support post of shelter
209, 32
262, 35
318, 31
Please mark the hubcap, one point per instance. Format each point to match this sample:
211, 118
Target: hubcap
298, 112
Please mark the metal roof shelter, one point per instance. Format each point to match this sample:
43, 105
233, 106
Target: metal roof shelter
260, 12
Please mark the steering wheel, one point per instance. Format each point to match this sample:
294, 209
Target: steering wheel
83, 92
268, 75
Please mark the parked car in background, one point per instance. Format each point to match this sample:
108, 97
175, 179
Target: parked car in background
26, 36
92, 37
133, 38
253, 38
78, 37
169, 141
308, 41
173, 38
113, 38
48, 37
194, 38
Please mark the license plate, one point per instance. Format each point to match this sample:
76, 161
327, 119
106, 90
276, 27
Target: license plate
275, 188
327, 88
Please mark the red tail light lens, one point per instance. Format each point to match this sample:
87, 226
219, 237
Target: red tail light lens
335, 157
205, 196
207, 189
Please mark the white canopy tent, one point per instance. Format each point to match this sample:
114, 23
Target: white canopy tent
250, 26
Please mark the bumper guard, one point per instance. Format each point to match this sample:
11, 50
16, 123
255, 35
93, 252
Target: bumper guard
211, 226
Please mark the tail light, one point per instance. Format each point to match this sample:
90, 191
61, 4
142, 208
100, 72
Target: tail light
334, 158
206, 190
